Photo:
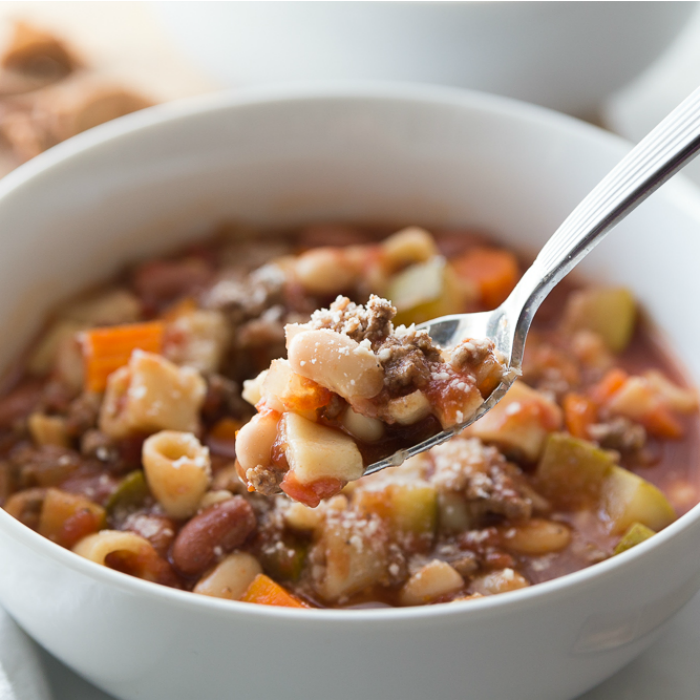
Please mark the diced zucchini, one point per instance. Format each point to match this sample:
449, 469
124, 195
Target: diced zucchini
453, 512
414, 507
425, 291
284, 563
629, 499
409, 507
572, 471
635, 534
131, 492
609, 312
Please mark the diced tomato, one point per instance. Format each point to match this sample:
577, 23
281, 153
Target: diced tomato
310, 494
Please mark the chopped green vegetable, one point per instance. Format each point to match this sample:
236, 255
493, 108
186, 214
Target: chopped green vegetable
130, 494
635, 534
284, 562
609, 312
409, 507
629, 499
425, 291
572, 471
414, 507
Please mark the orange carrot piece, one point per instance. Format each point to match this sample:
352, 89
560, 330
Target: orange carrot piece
662, 423
579, 413
493, 271
107, 349
264, 591
609, 385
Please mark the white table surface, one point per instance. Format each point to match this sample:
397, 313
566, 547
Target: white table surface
124, 41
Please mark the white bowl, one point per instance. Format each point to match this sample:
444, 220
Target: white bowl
564, 55
401, 154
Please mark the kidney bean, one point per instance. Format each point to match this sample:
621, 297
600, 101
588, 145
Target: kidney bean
216, 530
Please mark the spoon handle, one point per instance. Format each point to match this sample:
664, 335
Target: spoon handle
658, 156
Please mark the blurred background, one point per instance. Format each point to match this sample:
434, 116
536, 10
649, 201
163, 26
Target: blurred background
68, 66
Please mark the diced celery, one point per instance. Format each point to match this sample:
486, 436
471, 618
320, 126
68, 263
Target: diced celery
425, 291
610, 312
284, 563
635, 534
131, 492
572, 471
629, 499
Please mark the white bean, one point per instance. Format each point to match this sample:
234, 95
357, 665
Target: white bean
435, 579
337, 362
325, 271
231, 577
255, 439
536, 537
361, 427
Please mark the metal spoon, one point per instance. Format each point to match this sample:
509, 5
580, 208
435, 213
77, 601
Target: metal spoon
664, 151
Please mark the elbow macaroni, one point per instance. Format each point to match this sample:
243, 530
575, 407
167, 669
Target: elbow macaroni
178, 471
151, 394
96, 547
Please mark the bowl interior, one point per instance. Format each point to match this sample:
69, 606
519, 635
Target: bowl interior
375, 156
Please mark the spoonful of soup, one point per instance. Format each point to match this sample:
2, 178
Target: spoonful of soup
358, 393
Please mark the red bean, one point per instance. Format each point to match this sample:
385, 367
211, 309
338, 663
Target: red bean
218, 529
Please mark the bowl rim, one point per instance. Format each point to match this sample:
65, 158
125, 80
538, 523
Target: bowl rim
681, 193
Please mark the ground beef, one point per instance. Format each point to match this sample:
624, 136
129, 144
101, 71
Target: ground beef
406, 361
264, 331
482, 475
619, 434
370, 322
83, 413
245, 297
265, 480
48, 465
223, 399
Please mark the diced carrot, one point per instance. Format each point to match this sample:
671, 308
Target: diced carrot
579, 414
493, 271
609, 385
310, 494
67, 517
264, 591
662, 423
107, 349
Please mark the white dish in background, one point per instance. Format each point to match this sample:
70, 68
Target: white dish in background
564, 55
636, 109
411, 154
